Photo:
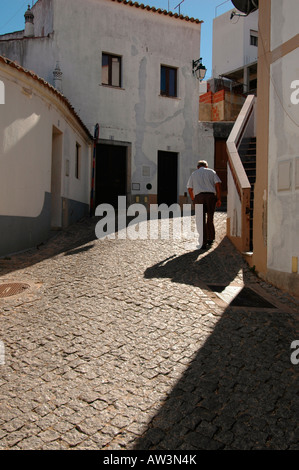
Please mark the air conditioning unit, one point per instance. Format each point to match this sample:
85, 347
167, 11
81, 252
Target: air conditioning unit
246, 6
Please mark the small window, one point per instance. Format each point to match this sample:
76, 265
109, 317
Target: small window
254, 38
168, 81
78, 161
111, 70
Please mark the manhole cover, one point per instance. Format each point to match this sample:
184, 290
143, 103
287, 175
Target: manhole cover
241, 297
12, 288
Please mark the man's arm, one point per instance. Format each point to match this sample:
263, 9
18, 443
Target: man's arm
190, 190
218, 194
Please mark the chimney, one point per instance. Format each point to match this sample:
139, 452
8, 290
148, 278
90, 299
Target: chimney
29, 23
57, 74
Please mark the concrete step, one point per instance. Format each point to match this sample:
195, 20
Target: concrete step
247, 154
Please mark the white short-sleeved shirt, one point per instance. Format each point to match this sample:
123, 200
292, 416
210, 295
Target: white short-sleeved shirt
203, 180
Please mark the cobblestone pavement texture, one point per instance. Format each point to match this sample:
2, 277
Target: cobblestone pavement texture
121, 344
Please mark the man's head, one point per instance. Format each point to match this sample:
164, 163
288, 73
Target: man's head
202, 163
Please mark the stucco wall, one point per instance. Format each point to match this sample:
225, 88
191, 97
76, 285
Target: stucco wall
283, 215
27, 120
43, 18
134, 113
284, 21
231, 42
276, 220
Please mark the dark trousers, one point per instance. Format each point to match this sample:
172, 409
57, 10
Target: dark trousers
208, 201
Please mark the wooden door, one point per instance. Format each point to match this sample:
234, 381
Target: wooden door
220, 163
111, 174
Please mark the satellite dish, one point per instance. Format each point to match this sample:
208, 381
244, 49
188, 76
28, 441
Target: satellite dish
246, 6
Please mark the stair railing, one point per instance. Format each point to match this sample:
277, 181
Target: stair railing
238, 197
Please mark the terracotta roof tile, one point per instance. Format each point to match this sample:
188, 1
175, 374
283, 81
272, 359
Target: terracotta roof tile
157, 10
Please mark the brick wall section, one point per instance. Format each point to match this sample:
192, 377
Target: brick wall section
219, 106
206, 97
218, 111
205, 112
219, 96
205, 107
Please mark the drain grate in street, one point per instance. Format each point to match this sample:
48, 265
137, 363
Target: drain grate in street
12, 288
240, 297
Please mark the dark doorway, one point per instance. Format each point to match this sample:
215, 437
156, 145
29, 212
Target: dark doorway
56, 202
111, 174
167, 177
220, 165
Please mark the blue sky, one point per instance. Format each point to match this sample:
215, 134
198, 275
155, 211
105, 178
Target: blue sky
12, 18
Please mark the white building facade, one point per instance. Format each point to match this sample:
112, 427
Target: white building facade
276, 221
128, 68
45, 158
235, 48
273, 118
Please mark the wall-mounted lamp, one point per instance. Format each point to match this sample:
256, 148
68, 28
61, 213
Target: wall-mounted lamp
198, 69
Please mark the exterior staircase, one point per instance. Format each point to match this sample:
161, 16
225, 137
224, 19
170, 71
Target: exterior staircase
241, 174
247, 152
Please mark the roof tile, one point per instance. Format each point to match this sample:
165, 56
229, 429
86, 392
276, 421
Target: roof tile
157, 10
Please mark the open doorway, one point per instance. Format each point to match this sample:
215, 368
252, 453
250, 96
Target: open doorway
56, 200
167, 177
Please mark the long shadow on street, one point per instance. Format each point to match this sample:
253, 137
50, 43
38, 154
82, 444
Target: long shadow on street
72, 240
76, 238
69, 240
241, 390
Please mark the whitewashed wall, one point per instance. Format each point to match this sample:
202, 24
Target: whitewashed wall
136, 113
231, 42
284, 21
27, 119
283, 176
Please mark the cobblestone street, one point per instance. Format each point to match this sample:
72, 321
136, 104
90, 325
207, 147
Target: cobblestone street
123, 344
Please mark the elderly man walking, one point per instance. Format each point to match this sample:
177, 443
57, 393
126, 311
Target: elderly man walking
204, 187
